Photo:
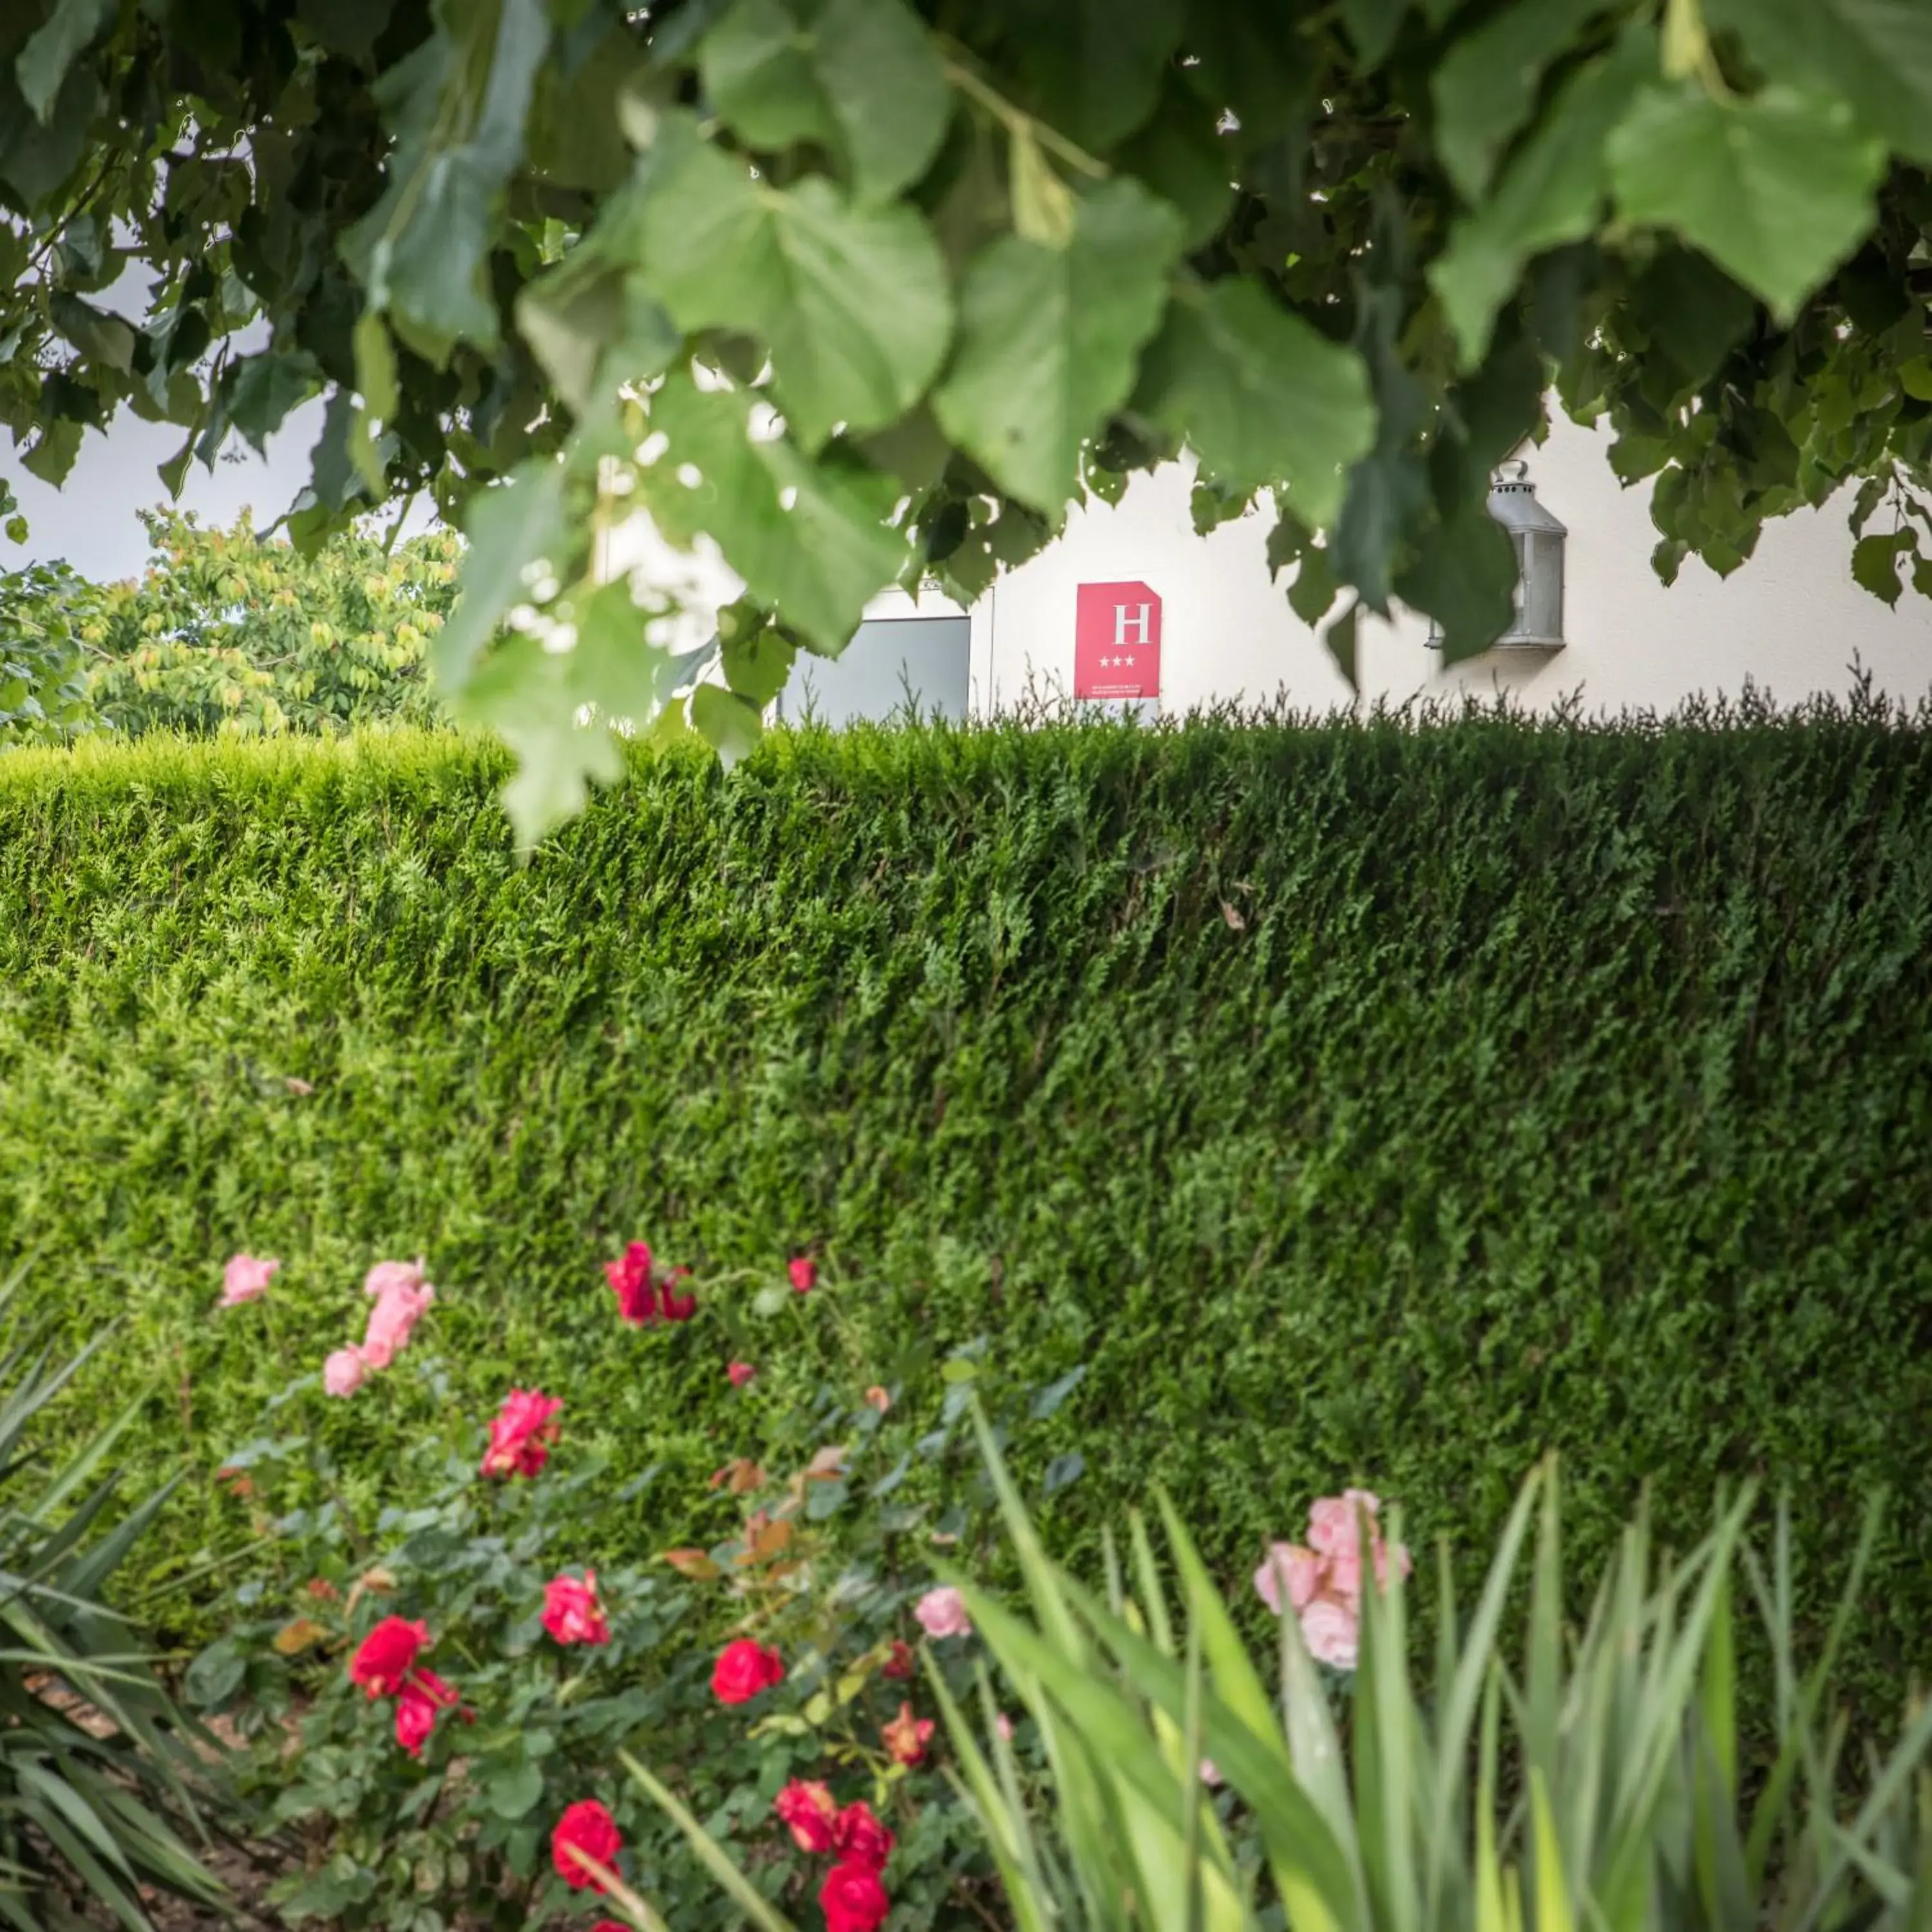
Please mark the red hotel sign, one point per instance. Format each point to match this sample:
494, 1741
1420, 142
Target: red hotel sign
1117, 641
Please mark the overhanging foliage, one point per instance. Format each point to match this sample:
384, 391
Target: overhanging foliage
865, 291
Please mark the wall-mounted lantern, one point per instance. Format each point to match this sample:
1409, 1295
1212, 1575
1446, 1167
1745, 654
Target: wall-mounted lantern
1538, 540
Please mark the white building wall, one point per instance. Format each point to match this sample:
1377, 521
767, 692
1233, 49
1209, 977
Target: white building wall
1791, 622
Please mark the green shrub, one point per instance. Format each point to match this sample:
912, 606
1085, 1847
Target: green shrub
1354, 1100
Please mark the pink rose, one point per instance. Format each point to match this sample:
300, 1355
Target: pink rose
521, 1433
811, 1814
386, 1276
644, 1290
1301, 1570
740, 1373
423, 1695
572, 1612
398, 1309
1334, 1522
744, 1669
630, 1281
246, 1278
1003, 1725
1402, 1559
1210, 1772
942, 1612
906, 1738
677, 1307
860, 1839
384, 1658
1341, 1578
802, 1272
343, 1372
853, 1900
1331, 1632
588, 1828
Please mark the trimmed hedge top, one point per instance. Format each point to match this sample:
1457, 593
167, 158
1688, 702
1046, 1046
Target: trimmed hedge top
1359, 1102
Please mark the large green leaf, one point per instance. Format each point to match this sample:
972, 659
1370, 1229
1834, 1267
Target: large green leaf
556, 709
568, 317
1261, 396
510, 528
1049, 339
1486, 88
42, 64
809, 538
729, 724
267, 387
1372, 25
853, 302
1875, 562
591, 322
1876, 53
346, 26
1187, 157
37, 159
1551, 192
1464, 575
859, 78
1777, 190
756, 663
422, 251
1096, 66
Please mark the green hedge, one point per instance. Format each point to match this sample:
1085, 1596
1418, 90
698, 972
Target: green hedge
1358, 1101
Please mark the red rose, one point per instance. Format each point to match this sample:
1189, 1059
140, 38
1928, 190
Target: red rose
743, 1669
521, 1434
572, 1612
804, 1273
899, 1660
630, 1279
740, 1373
677, 1307
383, 1659
422, 1697
810, 1812
853, 1900
588, 1828
905, 1737
860, 1839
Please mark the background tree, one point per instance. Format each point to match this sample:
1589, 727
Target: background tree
43, 696
228, 632
866, 291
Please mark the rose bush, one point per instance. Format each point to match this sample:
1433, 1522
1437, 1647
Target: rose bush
768, 1677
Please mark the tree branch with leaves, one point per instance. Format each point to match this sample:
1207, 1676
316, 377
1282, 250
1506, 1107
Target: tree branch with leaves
868, 292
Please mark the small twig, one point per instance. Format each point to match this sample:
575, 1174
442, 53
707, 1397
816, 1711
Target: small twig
1017, 121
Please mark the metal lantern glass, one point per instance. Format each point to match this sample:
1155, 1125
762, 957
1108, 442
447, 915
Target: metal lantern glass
1538, 539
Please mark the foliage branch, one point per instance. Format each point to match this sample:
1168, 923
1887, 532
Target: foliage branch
866, 292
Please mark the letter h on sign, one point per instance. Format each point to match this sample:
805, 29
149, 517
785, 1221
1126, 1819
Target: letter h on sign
1117, 641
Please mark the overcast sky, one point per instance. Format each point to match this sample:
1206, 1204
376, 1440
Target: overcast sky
90, 521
